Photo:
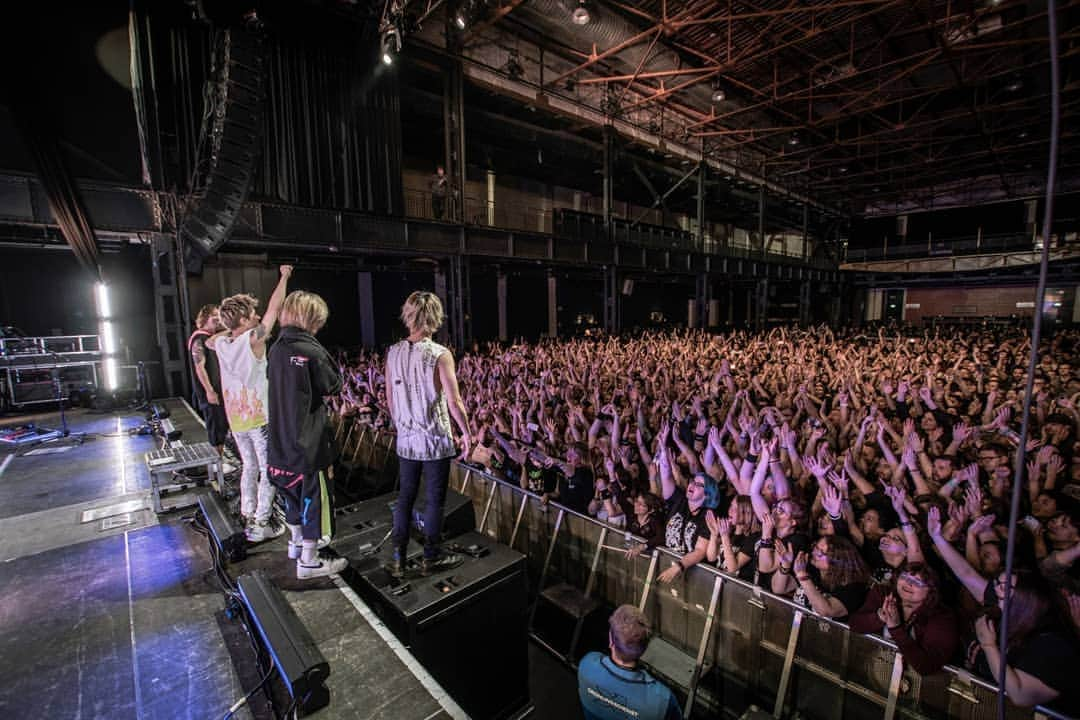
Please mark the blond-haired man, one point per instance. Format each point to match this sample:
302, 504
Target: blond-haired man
422, 395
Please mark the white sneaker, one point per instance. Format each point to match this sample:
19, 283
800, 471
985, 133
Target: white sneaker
259, 532
296, 548
325, 566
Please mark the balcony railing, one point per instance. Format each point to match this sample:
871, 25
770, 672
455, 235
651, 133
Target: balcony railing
724, 643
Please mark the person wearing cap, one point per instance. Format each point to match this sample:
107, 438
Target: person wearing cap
613, 686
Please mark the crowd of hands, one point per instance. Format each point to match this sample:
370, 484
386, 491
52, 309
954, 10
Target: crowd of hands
795, 430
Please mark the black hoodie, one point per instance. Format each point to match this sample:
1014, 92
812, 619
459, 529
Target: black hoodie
301, 374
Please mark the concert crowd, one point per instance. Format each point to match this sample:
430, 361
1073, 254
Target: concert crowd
865, 474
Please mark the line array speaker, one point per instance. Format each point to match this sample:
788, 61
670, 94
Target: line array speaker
234, 143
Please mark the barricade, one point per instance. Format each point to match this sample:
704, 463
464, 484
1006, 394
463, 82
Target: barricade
725, 643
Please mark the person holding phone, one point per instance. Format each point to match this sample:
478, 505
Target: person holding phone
422, 395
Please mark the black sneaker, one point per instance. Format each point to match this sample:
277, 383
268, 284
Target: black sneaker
441, 563
396, 568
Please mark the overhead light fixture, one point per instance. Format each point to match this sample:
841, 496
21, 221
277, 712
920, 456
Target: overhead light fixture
391, 44
794, 139
718, 94
580, 16
1023, 135
459, 20
1015, 84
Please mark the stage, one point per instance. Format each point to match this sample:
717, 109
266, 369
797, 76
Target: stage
108, 610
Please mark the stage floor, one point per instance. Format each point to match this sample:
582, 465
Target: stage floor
109, 611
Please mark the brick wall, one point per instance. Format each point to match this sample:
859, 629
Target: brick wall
976, 301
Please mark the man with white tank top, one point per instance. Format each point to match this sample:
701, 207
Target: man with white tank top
241, 352
422, 394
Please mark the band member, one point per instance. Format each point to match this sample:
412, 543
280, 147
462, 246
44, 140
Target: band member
301, 443
207, 383
241, 354
422, 394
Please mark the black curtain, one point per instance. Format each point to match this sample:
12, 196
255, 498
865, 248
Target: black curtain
332, 122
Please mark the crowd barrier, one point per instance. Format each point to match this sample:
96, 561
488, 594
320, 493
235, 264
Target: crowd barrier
727, 644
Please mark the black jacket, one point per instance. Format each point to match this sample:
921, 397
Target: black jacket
301, 373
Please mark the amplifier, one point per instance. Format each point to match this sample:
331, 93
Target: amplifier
467, 626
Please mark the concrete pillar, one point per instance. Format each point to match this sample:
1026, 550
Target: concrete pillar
552, 306
714, 313
366, 300
500, 293
691, 313
490, 197
443, 336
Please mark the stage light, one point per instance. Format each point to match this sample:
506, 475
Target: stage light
718, 95
104, 309
105, 329
459, 20
580, 16
391, 44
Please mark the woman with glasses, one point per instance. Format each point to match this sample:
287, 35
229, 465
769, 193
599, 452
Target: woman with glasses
687, 529
732, 539
909, 612
1039, 659
831, 580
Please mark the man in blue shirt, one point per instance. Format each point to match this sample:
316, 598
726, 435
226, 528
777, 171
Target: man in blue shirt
614, 688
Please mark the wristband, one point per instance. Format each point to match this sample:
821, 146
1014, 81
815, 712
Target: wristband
699, 438
906, 524
835, 517
785, 570
802, 578
752, 457
763, 543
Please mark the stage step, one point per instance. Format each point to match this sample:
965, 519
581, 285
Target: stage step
671, 663
570, 600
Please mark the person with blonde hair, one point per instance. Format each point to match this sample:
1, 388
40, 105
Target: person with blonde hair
241, 352
302, 375
422, 395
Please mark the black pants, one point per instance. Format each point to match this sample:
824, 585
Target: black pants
436, 474
308, 501
217, 425
438, 206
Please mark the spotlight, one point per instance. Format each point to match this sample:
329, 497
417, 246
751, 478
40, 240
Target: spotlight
718, 95
580, 16
459, 20
794, 139
1016, 84
391, 45
108, 339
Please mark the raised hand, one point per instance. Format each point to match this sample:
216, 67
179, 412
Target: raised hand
831, 500
981, 524
897, 496
768, 525
785, 555
973, 500
986, 631
800, 563
933, 523
713, 523
889, 612
723, 527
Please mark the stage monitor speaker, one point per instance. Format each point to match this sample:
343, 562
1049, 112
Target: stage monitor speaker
376, 515
467, 626
458, 514
300, 664
233, 146
225, 532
